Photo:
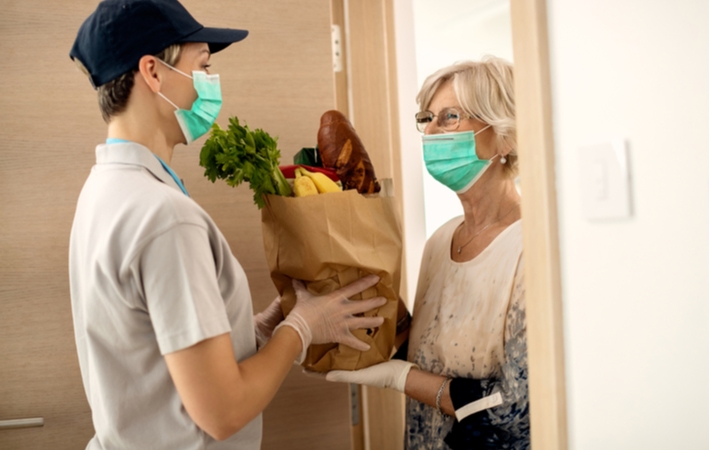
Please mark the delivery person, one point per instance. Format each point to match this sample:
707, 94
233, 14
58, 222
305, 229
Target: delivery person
162, 311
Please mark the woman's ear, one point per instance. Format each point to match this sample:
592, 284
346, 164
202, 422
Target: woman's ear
504, 147
149, 68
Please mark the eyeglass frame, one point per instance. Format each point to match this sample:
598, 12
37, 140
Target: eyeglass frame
461, 115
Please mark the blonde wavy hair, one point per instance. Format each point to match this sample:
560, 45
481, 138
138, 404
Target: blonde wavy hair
485, 90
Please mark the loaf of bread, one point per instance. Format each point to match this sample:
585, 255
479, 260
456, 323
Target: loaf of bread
340, 149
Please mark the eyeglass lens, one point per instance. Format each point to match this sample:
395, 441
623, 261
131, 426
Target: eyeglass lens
448, 119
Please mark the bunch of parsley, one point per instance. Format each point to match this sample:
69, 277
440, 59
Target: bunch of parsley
239, 154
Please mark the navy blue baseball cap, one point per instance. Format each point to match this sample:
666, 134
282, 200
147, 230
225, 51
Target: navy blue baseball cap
113, 38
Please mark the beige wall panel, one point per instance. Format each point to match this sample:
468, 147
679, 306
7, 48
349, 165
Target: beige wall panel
47, 115
279, 79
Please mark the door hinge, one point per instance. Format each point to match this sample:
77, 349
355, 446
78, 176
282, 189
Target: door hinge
354, 404
337, 41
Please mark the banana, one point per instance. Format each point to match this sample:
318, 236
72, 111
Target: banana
321, 180
303, 185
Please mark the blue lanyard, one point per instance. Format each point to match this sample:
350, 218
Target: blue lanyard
162, 163
174, 175
117, 141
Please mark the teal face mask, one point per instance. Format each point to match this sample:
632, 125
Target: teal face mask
451, 159
198, 120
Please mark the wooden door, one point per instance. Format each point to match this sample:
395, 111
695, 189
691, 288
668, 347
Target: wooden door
279, 79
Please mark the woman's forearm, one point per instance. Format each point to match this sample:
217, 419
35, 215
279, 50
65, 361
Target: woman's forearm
222, 395
263, 373
424, 386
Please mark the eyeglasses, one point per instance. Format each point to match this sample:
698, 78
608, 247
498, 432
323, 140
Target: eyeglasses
448, 119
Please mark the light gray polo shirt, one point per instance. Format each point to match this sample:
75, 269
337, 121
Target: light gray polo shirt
150, 274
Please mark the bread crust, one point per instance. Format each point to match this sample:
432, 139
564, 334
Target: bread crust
342, 150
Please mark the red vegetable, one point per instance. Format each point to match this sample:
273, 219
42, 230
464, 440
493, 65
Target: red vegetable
288, 171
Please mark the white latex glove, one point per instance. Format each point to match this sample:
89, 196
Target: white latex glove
266, 321
391, 374
329, 318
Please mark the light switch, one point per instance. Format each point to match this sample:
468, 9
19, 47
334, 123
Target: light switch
605, 180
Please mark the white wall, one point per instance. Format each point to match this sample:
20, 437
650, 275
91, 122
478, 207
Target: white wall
635, 291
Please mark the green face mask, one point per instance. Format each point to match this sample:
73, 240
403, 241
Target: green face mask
198, 120
451, 159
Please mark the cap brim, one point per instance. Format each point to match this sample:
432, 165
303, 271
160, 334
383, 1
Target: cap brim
217, 38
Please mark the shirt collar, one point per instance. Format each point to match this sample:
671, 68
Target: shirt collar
134, 154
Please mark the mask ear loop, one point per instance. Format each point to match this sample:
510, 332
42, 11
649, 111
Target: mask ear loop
503, 159
168, 100
178, 71
482, 129
174, 68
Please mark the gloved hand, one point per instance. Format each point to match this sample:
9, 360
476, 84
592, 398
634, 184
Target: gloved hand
391, 374
329, 318
266, 321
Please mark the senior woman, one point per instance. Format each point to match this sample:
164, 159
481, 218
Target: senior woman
465, 373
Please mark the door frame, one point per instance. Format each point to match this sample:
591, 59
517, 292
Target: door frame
533, 99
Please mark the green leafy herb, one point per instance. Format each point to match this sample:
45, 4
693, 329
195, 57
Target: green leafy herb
239, 154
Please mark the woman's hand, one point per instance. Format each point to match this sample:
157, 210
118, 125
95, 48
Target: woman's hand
391, 374
331, 317
266, 321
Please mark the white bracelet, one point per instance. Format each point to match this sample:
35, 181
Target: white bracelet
479, 405
438, 395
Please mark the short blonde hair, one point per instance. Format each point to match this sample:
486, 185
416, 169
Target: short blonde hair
485, 90
113, 96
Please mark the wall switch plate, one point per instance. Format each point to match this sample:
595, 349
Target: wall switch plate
605, 180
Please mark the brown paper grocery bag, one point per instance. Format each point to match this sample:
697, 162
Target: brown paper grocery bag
328, 241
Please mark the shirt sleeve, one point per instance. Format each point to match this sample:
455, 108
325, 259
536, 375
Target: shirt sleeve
180, 288
507, 424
